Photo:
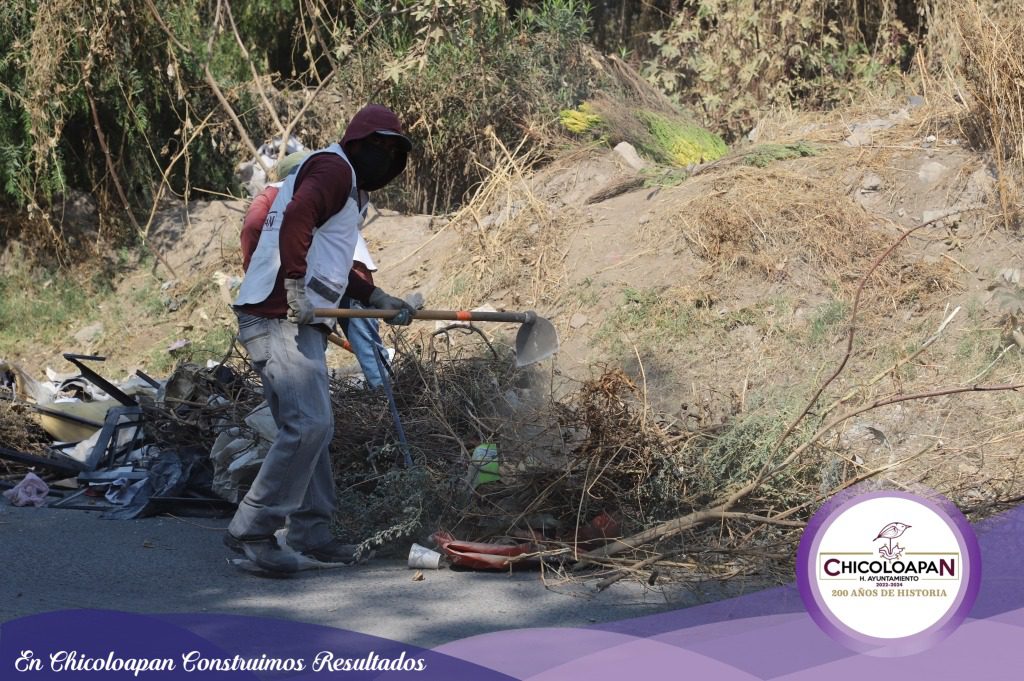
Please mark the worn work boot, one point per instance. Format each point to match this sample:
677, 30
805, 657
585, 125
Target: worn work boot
266, 553
233, 543
336, 552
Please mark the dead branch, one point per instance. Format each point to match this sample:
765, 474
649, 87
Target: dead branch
313, 12
722, 505
849, 339
210, 80
256, 78
994, 503
164, 182
678, 525
718, 508
208, 76
635, 567
849, 346
993, 362
853, 481
102, 138
616, 188
323, 83
896, 365
853, 322
647, 562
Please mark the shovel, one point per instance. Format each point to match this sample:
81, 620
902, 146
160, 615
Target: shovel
536, 340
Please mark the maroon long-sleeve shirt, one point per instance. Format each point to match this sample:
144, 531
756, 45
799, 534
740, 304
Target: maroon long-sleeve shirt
321, 190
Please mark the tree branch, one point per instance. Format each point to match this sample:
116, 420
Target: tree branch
719, 507
102, 138
850, 336
210, 80
896, 365
256, 77
323, 84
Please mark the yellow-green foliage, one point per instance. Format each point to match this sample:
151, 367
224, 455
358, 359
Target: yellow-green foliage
580, 120
665, 137
681, 142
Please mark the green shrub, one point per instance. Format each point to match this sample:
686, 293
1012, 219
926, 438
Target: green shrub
466, 80
765, 154
471, 83
69, 68
730, 59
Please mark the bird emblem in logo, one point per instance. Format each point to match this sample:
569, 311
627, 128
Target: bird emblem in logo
890, 532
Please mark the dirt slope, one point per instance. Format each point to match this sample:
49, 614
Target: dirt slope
726, 295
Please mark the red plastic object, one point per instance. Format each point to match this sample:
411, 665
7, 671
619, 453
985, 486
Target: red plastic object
601, 529
481, 556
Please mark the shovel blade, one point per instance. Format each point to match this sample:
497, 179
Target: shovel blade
536, 340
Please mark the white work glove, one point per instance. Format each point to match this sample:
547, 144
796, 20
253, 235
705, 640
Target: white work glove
300, 310
383, 301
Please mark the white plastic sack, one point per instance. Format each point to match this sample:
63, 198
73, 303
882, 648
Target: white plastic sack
237, 455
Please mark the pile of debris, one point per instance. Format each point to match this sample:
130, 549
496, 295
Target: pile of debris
501, 475
88, 442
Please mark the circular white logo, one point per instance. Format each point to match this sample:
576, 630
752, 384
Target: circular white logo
888, 572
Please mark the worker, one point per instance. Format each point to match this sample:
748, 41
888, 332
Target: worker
363, 334
304, 260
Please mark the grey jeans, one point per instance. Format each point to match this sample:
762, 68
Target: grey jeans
295, 485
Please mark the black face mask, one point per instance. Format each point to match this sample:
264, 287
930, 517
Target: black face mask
372, 166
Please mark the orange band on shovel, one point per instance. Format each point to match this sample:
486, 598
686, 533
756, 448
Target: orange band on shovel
464, 316
341, 342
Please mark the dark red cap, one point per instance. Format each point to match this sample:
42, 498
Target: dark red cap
375, 118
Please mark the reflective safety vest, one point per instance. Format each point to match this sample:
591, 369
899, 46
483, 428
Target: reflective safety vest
330, 255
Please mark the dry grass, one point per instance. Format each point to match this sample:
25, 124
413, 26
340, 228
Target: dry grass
514, 237
922, 280
774, 221
994, 74
963, 447
940, 112
20, 431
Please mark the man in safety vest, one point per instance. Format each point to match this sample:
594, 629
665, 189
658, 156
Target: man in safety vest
363, 333
304, 261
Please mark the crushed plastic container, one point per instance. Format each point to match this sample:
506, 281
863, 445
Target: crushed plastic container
485, 464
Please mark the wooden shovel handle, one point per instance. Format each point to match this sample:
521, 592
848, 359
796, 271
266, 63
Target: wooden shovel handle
452, 315
341, 342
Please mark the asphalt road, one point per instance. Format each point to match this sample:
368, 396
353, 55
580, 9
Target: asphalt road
54, 559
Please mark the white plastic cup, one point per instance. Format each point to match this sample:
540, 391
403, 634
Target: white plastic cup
422, 557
